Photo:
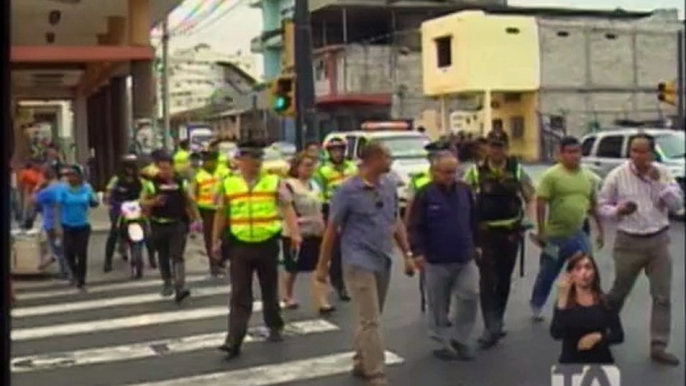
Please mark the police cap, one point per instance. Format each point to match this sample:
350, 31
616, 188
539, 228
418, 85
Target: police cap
253, 149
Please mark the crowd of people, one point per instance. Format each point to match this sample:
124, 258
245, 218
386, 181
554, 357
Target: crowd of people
461, 233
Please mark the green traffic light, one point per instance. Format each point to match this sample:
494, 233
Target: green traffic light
280, 103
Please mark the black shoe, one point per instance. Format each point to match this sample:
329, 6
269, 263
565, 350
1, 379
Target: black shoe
325, 311
275, 336
343, 295
231, 351
445, 355
488, 341
167, 291
464, 352
107, 268
182, 295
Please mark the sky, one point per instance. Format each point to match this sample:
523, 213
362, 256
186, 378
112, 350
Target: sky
230, 27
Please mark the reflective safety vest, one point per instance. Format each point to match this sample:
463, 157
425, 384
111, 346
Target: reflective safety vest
498, 201
253, 214
332, 177
207, 186
419, 180
182, 161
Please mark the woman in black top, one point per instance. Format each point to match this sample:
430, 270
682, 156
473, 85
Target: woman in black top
582, 319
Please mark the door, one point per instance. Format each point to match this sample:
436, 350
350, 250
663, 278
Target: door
589, 159
609, 154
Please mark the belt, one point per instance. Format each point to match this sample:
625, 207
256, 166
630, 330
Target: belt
645, 235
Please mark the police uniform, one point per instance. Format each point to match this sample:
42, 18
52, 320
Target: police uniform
330, 176
253, 226
418, 180
499, 210
205, 190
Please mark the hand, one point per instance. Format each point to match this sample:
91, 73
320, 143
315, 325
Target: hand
564, 284
217, 250
419, 262
588, 341
626, 208
296, 242
409, 266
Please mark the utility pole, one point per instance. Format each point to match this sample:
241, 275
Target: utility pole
255, 117
165, 84
304, 101
681, 92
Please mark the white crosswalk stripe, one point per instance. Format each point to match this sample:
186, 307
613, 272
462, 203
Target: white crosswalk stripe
84, 339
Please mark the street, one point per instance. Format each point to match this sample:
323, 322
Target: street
125, 334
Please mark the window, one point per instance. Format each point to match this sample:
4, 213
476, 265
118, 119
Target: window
361, 143
350, 141
587, 146
444, 55
611, 147
517, 127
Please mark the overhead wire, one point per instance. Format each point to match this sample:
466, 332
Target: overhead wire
215, 18
211, 6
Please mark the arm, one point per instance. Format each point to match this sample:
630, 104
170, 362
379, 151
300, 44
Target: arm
416, 225
543, 195
670, 194
614, 334
220, 222
607, 198
148, 199
401, 238
595, 215
563, 319
108, 189
192, 190
286, 204
337, 213
191, 209
528, 192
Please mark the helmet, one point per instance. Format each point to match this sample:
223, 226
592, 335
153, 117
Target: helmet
129, 159
335, 143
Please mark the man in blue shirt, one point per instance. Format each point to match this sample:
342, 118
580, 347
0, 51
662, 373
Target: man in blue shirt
364, 214
441, 230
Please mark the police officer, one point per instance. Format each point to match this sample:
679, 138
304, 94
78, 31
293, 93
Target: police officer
330, 175
182, 162
500, 184
418, 180
203, 191
171, 212
250, 211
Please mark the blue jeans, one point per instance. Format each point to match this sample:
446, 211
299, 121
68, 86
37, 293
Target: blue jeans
56, 249
550, 266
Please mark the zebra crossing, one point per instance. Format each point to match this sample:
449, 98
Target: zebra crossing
127, 334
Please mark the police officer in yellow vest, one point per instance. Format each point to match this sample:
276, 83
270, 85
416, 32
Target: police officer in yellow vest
182, 164
330, 175
251, 212
420, 179
204, 191
501, 185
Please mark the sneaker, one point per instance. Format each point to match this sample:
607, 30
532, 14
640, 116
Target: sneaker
464, 352
275, 336
488, 340
664, 358
537, 314
167, 291
231, 351
182, 295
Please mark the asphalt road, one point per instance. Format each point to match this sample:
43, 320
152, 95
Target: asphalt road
125, 334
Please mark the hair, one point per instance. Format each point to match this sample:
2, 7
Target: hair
647, 137
596, 289
567, 142
372, 150
311, 143
297, 161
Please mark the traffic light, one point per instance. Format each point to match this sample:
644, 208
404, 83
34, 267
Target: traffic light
283, 95
666, 93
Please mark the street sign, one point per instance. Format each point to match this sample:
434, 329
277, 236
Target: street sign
585, 375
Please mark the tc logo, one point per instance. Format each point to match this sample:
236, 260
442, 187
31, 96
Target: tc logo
585, 375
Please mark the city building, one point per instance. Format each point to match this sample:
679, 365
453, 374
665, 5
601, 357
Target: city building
196, 73
543, 73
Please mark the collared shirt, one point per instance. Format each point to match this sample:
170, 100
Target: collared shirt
367, 217
654, 199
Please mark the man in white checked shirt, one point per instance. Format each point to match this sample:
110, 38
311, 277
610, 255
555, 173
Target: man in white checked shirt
639, 195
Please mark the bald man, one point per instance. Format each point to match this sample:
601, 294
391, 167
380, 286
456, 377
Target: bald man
441, 231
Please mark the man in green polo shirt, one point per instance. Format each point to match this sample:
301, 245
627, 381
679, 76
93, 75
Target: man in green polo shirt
501, 186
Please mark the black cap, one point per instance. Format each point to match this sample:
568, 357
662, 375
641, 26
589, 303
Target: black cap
254, 149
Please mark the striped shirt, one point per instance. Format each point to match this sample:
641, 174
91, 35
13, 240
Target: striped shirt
654, 199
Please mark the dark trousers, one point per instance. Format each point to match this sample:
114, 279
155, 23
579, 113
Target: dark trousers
499, 255
246, 260
115, 235
75, 241
207, 216
170, 244
336, 267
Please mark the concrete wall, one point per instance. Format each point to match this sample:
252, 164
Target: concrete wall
599, 70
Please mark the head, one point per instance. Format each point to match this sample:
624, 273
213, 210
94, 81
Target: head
302, 166
73, 175
336, 149
129, 165
583, 270
210, 160
184, 144
569, 152
165, 168
376, 158
250, 161
642, 150
497, 151
312, 149
444, 168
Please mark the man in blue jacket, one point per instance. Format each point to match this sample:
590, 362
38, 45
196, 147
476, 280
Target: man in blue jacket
441, 231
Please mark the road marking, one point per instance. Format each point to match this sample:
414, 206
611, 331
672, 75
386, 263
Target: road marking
52, 331
103, 288
62, 308
154, 348
276, 374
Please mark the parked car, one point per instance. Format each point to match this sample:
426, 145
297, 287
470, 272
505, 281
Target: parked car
607, 149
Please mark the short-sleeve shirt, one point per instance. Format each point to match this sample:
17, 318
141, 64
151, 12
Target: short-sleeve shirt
367, 217
75, 204
569, 195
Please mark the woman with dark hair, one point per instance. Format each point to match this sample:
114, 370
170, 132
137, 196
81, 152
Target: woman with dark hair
307, 202
74, 200
583, 321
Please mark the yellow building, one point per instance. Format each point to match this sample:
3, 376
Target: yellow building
492, 60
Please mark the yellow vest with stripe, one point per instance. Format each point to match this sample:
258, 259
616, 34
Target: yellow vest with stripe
419, 180
253, 214
182, 161
332, 177
207, 185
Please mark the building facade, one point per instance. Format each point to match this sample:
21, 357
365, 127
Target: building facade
545, 73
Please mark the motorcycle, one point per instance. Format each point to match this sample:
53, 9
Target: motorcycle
134, 235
